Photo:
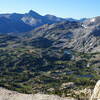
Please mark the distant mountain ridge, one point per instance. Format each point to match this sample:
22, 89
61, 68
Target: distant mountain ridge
23, 22
16, 22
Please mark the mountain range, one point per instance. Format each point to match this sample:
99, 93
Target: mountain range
81, 35
16, 22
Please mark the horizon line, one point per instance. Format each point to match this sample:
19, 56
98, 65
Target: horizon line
17, 12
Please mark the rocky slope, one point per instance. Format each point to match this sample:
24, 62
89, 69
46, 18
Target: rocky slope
84, 37
96, 92
8, 25
12, 95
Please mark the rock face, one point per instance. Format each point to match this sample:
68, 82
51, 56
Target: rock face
12, 95
82, 37
96, 92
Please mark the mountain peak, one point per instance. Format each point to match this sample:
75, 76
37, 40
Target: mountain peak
33, 13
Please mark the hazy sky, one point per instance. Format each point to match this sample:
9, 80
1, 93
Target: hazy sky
61, 8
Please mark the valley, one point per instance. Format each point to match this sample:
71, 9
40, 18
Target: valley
57, 58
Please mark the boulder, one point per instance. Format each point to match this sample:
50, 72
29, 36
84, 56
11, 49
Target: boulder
96, 92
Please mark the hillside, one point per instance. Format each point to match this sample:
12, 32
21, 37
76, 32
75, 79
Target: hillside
84, 37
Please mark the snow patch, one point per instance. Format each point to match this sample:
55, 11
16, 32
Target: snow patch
93, 20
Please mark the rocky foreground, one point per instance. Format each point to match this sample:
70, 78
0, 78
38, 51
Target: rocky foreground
12, 95
96, 92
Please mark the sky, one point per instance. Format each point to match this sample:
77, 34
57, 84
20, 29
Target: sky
61, 8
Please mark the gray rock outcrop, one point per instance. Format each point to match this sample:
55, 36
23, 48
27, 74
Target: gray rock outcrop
96, 92
12, 95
